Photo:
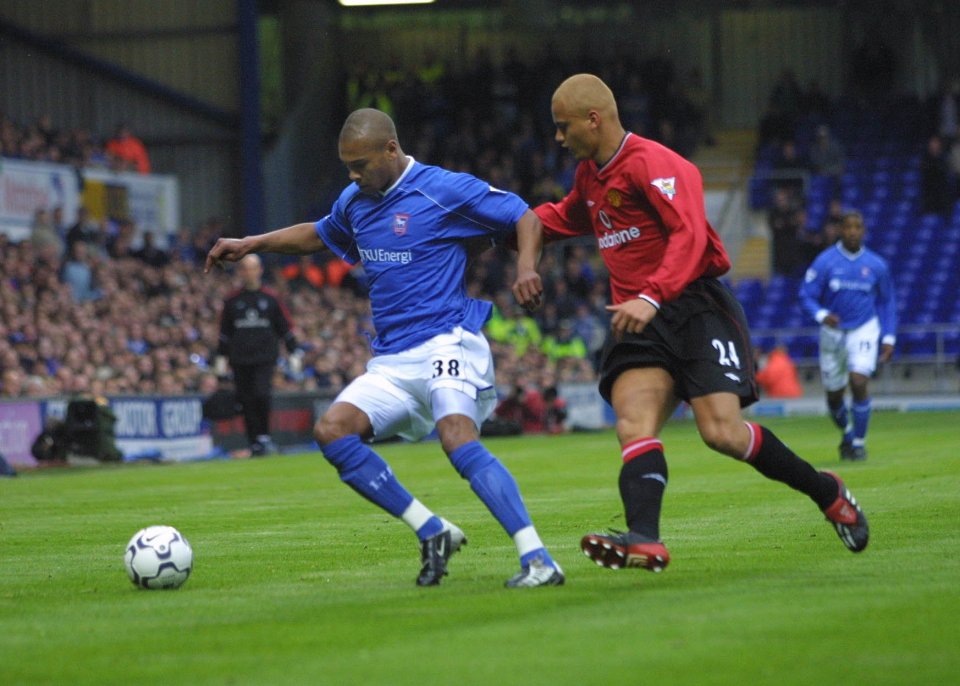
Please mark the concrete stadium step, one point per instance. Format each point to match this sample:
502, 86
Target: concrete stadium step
728, 160
753, 260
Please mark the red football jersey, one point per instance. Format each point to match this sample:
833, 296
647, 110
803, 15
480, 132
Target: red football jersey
645, 207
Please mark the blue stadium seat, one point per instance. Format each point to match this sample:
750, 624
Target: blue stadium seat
909, 177
951, 343
763, 342
803, 346
921, 343
850, 195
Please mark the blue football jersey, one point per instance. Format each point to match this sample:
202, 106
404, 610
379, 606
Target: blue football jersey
412, 242
854, 286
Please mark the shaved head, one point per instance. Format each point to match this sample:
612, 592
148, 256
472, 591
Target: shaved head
582, 93
370, 150
250, 269
585, 114
368, 126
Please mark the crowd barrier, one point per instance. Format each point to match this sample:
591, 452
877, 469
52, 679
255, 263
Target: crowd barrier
151, 201
174, 429
163, 428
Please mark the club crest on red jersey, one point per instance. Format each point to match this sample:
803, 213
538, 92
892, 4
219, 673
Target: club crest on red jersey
400, 223
613, 197
666, 185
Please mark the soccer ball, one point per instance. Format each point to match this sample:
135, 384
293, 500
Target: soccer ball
158, 557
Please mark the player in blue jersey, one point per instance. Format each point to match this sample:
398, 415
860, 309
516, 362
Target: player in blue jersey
849, 292
411, 226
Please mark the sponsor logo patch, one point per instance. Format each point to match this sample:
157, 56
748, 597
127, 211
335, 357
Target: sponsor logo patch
666, 185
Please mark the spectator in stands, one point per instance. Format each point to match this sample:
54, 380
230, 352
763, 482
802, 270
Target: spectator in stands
12, 383
83, 229
524, 407
119, 241
578, 273
78, 274
830, 230
509, 324
936, 194
775, 127
44, 237
127, 151
788, 94
785, 226
182, 247
555, 411
591, 329
826, 154
564, 343
149, 253
303, 273
777, 374
59, 222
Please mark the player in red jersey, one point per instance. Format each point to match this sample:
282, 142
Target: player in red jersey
676, 333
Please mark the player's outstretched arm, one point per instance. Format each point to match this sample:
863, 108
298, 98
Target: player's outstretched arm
528, 288
299, 239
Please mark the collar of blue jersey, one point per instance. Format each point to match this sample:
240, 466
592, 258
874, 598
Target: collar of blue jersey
410, 163
846, 253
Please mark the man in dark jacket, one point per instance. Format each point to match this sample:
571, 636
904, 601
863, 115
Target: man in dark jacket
252, 324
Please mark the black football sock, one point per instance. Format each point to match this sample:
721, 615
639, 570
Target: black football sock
643, 479
774, 460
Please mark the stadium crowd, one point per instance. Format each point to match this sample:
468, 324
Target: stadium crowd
41, 140
146, 322
85, 312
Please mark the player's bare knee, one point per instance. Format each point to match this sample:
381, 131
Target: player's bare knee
629, 430
455, 433
329, 429
723, 437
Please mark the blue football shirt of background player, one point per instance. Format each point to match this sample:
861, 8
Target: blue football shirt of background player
412, 227
848, 290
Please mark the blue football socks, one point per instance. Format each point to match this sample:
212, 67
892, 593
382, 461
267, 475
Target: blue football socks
493, 484
367, 473
861, 418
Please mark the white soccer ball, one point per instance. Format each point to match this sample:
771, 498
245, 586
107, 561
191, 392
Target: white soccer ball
158, 557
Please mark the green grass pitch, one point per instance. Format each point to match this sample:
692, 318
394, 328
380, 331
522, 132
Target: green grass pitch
299, 581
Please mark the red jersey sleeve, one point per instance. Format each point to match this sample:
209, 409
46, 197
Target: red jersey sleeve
566, 218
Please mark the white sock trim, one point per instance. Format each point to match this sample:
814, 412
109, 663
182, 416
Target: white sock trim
527, 540
416, 515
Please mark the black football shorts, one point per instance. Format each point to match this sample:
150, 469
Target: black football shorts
701, 338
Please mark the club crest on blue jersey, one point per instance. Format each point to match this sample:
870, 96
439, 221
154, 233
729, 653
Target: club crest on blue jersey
400, 223
667, 186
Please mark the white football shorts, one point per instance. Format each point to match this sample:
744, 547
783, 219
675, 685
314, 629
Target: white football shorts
404, 394
845, 351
